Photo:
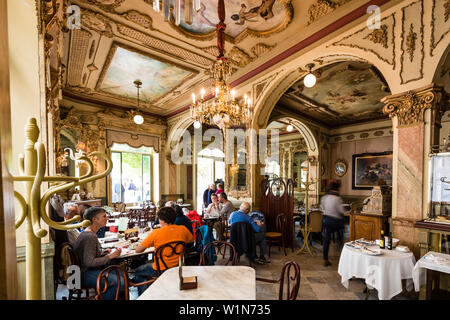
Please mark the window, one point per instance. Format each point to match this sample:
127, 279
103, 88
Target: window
210, 168
132, 174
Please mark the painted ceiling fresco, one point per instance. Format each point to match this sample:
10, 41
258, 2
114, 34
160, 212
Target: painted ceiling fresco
345, 92
258, 15
158, 77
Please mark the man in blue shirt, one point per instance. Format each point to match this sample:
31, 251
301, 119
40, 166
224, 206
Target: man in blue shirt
257, 224
260, 237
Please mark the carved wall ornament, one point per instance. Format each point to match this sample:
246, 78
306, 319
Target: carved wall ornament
412, 36
409, 108
97, 22
440, 23
138, 18
107, 5
79, 42
379, 36
239, 57
411, 42
380, 42
447, 10
322, 8
261, 48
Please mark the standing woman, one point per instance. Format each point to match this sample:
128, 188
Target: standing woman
333, 217
92, 258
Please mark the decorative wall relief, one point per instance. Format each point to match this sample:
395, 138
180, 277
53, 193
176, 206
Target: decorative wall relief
413, 51
379, 42
239, 57
138, 18
322, 8
440, 23
261, 48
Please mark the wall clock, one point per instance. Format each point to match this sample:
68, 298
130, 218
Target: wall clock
340, 167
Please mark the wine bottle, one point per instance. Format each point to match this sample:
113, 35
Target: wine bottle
389, 242
382, 246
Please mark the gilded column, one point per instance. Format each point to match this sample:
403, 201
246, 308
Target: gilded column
416, 117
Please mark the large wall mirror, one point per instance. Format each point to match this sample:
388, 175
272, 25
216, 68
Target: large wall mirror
238, 172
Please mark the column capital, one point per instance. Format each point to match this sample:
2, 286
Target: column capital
409, 107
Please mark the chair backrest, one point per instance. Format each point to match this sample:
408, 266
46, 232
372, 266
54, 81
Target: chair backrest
221, 249
168, 250
242, 238
104, 283
65, 256
290, 272
281, 223
315, 221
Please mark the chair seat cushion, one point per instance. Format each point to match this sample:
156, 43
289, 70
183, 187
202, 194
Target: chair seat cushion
273, 234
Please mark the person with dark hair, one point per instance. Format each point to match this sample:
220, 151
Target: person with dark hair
92, 258
226, 206
157, 237
333, 215
207, 195
181, 219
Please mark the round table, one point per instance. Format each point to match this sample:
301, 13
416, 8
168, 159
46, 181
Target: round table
384, 272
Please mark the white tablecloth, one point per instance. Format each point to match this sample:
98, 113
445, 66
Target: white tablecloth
433, 261
213, 283
384, 272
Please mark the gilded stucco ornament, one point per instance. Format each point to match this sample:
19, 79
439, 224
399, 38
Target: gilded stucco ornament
409, 108
379, 36
411, 42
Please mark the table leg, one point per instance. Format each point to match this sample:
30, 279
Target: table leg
429, 284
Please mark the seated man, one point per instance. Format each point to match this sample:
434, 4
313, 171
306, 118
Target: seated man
225, 209
242, 216
71, 210
260, 237
167, 233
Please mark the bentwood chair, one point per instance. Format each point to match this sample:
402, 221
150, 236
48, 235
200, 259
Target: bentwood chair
66, 256
206, 259
104, 282
167, 250
118, 271
278, 236
289, 272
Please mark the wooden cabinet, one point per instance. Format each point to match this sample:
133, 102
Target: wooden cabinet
368, 226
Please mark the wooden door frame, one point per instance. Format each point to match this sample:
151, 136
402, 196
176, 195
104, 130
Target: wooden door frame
8, 260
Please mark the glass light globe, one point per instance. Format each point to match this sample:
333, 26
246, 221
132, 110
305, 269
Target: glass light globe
197, 124
289, 128
309, 80
138, 119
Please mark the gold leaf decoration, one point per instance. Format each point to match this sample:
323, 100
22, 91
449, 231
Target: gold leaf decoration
379, 36
411, 42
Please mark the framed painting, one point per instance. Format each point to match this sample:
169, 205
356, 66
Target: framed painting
370, 168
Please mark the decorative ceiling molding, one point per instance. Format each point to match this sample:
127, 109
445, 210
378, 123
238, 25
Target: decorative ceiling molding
288, 8
322, 8
259, 87
79, 42
261, 48
413, 47
380, 42
239, 57
139, 18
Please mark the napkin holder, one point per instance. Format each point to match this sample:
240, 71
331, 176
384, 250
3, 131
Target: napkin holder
186, 283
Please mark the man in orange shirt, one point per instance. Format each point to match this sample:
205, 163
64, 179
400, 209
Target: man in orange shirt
167, 233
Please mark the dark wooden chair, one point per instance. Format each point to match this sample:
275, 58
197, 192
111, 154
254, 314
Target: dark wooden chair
221, 250
278, 235
168, 249
105, 275
66, 256
291, 292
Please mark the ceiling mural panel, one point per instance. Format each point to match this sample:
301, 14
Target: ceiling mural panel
158, 77
345, 92
257, 17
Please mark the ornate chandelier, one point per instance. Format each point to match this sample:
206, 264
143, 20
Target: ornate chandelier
222, 110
